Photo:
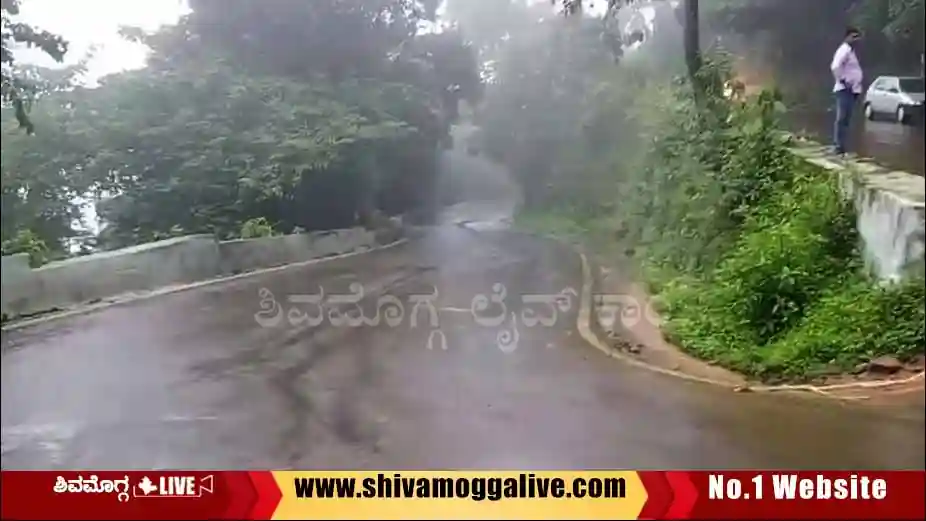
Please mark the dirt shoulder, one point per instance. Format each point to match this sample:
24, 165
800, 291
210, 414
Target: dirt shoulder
625, 317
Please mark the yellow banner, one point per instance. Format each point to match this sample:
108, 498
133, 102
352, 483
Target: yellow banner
460, 495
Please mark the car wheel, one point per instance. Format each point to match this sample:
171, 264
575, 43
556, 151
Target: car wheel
901, 115
869, 112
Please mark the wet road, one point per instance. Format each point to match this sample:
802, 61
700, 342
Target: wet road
194, 380
899, 147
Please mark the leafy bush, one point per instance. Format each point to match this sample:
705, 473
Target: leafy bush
852, 323
790, 252
706, 171
769, 280
256, 228
696, 318
753, 251
789, 300
25, 241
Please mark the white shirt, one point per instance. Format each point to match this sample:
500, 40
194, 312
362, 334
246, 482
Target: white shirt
846, 69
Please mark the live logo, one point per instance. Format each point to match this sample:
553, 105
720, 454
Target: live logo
175, 486
178, 486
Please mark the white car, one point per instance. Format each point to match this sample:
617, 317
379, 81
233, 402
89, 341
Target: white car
901, 97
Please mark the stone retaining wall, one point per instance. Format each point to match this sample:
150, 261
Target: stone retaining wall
60, 285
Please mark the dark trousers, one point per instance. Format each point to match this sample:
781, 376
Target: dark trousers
845, 105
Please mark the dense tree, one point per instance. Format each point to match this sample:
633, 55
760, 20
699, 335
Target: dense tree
314, 114
899, 20
301, 114
803, 34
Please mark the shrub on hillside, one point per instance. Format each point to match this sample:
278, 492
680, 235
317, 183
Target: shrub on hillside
755, 252
26, 241
853, 323
792, 249
795, 246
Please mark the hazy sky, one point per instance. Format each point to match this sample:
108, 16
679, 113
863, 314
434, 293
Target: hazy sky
86, 24
95, 23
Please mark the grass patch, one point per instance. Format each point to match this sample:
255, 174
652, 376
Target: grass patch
556, 223
789, 300
850, 323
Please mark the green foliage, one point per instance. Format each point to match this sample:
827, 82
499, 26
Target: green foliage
752, 251
896, 19
851, 324
256, 228
704, 171
764, 300
27, 242
38, 184
565, 223
794, 248
224, 146
762, 248
304, 114
762, 296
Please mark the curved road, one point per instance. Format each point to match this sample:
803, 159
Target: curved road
192, 380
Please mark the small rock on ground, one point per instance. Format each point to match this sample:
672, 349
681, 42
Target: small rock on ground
885, 365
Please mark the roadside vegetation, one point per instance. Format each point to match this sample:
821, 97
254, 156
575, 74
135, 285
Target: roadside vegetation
252, 118
261, 117
753, 253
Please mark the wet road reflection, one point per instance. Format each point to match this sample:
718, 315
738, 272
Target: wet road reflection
194, 380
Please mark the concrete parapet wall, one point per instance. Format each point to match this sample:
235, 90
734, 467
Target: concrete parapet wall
890, 206
15, 266
249, 254
64, 284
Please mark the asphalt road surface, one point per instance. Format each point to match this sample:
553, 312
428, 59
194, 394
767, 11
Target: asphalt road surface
198, 379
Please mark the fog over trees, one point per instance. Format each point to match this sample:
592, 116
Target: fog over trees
318, 114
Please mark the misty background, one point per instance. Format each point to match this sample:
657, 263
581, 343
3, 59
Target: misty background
163, 117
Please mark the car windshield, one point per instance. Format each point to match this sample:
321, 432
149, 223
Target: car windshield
914, 85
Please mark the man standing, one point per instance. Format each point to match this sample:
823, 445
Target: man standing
848, 75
